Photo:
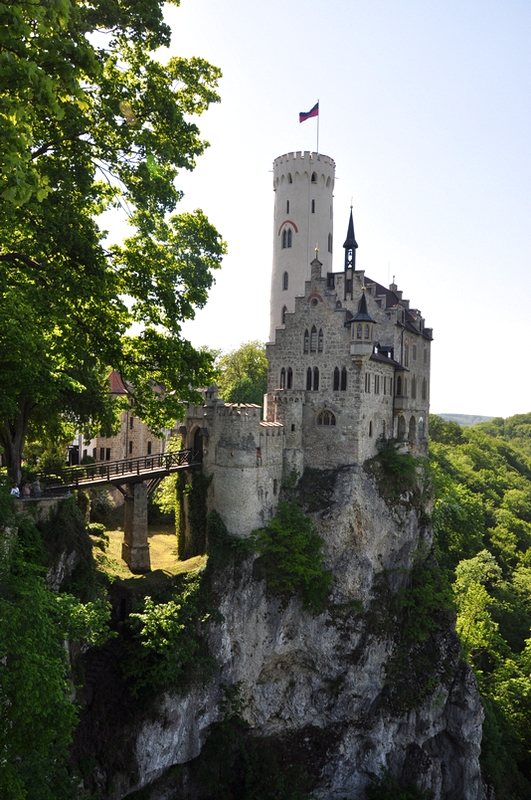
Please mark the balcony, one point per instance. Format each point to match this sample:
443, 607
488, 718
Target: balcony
401, 402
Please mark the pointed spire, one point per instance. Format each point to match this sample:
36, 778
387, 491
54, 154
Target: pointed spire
363, 312
350, 245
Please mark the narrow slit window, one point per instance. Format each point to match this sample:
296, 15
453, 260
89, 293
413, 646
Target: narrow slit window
344, 379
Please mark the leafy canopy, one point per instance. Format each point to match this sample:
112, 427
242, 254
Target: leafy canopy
243, 374
91, 120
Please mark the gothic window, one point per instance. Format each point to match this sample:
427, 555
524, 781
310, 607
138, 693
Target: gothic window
284, 239
313, 206
313, 340
329, 242
290, 179
326, 418
421, 428
290, 378
285, 281
376, 384
315, 379
314, 177
320, 341
282, 378
367, 382
289, 237
309, 379
336, 380
306, 342
424, 389
358, 332
366, 331
284, 312
399, 386
344, 379
287, 206
413, 387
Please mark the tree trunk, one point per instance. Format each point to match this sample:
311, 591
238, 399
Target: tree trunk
13, 438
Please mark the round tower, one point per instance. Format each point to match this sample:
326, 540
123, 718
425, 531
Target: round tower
303, 183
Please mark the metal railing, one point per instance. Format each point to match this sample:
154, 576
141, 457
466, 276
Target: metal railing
101, 471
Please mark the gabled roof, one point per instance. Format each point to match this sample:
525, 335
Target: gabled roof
116, 384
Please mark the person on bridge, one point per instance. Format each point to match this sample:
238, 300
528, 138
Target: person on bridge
37, 490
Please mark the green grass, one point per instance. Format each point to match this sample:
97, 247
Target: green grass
163, 555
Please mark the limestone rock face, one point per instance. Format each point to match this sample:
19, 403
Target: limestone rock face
329, 676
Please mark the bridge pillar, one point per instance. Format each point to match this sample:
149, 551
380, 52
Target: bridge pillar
135, 547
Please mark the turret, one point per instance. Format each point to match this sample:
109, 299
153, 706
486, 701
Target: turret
362, 329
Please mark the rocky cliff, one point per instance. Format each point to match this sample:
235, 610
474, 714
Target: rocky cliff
371, 684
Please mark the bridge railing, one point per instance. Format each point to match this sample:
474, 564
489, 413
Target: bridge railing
126, 467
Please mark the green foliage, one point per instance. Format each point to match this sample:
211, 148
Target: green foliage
396, 472
222, 547
166, 496
38, 715
421, 611
193, 513
482, 518
89, 123
291, 557
242, 374
101, 506
164, 646
386, 787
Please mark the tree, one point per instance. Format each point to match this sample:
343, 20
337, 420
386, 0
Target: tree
91, 120
243, 374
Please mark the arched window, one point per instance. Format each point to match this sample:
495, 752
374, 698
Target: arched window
284, 312
315, 379
313, 206
358, 331
282, 378
412, 433
314, 177
329, 242
401, 427
399, 386
414, 387
290, 179
289, 237
284, 239
320, 341
326, 417
336, 380
424, 389
344, 379
287, 206
421, 428
313, 340
309, 379
366, 331
285, 281
290, 378
306, 342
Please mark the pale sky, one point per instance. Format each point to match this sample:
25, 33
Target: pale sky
426, 109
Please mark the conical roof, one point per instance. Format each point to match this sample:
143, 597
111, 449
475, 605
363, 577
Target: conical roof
363, 312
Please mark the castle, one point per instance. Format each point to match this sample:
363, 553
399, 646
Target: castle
349, 362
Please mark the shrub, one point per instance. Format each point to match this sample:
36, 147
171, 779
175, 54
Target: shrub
291, 557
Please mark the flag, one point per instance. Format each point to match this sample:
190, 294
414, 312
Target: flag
304, 115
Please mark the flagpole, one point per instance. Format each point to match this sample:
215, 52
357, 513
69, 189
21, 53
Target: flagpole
318, 115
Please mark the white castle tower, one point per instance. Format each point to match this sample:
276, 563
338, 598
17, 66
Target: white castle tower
303, 218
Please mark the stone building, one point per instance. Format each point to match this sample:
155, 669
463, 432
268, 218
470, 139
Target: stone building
134, 438
349, 362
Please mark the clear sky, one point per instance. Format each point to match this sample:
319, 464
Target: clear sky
426, 109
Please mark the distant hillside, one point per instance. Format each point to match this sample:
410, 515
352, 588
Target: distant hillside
464, 419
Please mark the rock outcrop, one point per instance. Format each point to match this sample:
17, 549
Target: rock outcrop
344, 691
